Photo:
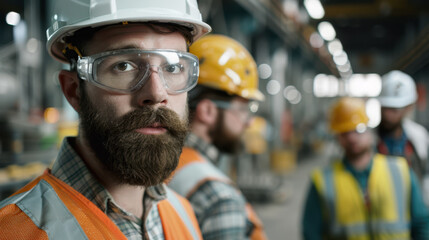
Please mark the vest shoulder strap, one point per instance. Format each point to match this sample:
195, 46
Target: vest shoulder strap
258, 232
61, 211
194, 171
177, 217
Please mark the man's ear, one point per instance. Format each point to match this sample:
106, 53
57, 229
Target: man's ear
206, 112
70, 86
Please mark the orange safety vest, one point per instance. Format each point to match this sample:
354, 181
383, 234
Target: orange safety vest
47, 208
194, 170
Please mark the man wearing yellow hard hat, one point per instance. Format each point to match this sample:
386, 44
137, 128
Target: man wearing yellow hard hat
219, 113
365, 195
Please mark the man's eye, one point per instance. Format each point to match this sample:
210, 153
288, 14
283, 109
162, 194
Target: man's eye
124, 67
174, 68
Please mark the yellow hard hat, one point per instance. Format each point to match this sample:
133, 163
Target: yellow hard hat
226, 65
348, 114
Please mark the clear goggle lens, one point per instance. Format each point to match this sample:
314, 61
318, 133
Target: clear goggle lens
246, 110
127, 70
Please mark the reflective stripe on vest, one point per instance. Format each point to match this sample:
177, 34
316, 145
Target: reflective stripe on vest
389, 193
44, 198
189, 177
63, 213
183, 214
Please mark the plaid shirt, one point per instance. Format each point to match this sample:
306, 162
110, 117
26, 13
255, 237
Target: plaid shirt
70, 168
219, 207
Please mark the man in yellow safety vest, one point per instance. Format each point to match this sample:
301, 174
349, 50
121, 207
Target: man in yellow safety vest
365, 195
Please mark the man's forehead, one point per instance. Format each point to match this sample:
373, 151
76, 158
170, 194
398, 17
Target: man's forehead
136, 35
239, 99
125, 27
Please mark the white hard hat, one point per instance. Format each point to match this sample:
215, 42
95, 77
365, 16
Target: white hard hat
398, 90
69, 16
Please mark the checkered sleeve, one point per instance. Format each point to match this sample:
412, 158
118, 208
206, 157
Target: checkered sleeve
220, 210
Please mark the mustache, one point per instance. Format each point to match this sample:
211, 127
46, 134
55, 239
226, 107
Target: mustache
148, 116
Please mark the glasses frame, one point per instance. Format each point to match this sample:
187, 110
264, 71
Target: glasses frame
226, 105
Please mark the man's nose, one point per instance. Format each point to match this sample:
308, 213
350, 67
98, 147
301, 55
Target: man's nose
153, 92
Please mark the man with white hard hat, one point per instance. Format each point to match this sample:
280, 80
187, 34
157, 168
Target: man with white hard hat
129, 75
399, 135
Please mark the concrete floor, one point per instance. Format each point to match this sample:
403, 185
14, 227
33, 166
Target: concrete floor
282, 220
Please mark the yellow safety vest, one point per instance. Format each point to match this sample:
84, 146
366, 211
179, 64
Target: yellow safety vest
382, 213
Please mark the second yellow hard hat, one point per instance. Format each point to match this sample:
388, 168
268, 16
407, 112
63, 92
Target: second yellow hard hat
348, 114
226, 65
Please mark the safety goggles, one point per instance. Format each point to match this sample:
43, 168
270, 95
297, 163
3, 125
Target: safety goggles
127, 70
245, 110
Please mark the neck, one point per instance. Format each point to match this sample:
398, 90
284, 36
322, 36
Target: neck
360, 161
397, 132
126, 196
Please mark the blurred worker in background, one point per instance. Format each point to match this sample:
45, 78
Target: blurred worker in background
398, 135
128, 80
219, 113
365, 195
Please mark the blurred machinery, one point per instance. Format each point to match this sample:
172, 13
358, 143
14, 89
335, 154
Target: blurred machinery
255, 179
28, 135
27, 141
255, 136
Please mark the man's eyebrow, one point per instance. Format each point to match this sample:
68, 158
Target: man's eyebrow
129, 46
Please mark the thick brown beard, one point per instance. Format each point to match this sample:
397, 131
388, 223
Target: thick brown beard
222, 139
387, 127
134, 158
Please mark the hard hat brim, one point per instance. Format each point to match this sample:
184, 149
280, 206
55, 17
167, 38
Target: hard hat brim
55, 35
393, 102
254, 95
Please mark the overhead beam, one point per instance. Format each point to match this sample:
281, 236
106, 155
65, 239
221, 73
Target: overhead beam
271, 11
375, 9
417, 56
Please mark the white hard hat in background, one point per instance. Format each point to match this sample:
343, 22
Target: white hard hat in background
69, 16
398, 90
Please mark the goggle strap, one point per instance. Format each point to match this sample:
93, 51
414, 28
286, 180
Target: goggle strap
71, 52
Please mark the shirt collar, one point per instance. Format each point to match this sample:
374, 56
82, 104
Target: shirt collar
205, 148
71, 169
354, 171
